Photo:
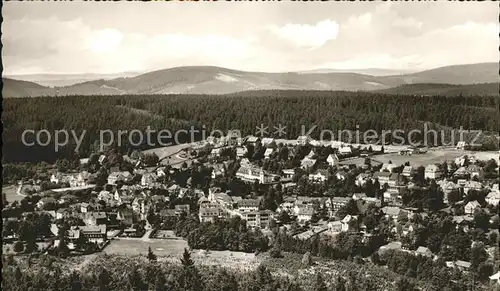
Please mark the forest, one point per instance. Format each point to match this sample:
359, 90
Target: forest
242, 111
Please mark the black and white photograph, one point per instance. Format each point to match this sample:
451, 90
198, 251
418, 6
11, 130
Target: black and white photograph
250, 145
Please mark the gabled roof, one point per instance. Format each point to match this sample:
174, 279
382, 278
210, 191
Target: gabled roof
248, 203
391, 210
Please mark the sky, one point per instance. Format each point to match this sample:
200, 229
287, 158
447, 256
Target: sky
113, 37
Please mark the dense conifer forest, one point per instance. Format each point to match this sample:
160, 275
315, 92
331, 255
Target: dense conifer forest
243, 111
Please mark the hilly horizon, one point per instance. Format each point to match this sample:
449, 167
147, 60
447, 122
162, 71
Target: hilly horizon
218, 80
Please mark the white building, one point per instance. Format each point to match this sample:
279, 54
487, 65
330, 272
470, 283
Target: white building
333, 160
432, 172
319, 176
303, 140
268, 153
251, 173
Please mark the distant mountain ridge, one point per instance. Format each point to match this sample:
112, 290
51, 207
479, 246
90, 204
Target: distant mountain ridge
217, 80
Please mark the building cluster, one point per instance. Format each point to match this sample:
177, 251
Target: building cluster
122, 206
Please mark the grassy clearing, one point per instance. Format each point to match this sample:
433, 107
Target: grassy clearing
433, 156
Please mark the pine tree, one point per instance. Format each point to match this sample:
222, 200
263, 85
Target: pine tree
190, 279
151, 255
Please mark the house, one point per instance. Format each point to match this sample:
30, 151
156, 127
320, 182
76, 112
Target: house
94, 233
391, 211
215, 152
319, 176
373, 200
341, 175
461, 161
287, 205
305, 214
391, 197
382, 177
180, 208
336, 144
339, 202
268, 153
493, 198
408, 171
463, 221
391, 179
256, 219
105, 196
218, 170
84, 207
361, 179
475, 171
288, 173
102, 159
42, 203
160, 172
432, 172
307, 163
115, 177
359, 196
79, 180
472, 185
210, 212
139, 206
252, 140
58, 178
148, 179
423, 251
461, 265
388, 167
461, 145
95, 218
333, 160
266, 141
248, 205
221, 198
495, 278
471, 207
335, 226
241, 151
461, 173
345, 150
250, 173
349, 223
303, 140
125, 216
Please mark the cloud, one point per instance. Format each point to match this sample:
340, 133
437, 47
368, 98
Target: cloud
385, 35
305, 35
380, 61
105, 41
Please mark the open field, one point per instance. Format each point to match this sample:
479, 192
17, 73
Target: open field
161, 247
172, 249
433, 156
11, 193
164, 152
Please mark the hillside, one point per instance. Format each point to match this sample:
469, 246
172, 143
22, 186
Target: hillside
60, 80
217, 80
17, 88
485, 89
458, 74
